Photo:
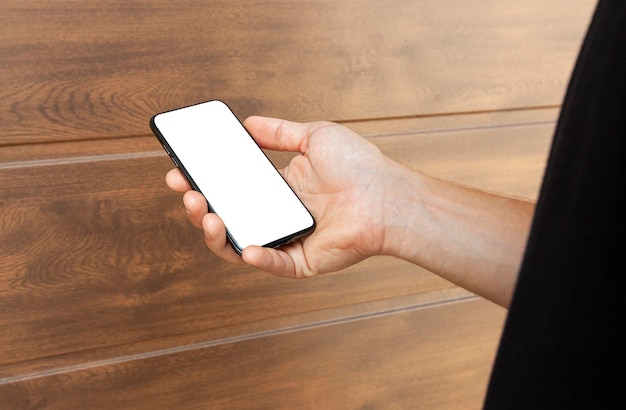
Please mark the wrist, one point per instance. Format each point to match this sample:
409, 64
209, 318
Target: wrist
401, 220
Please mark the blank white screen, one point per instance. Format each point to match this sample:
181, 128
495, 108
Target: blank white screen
241, 184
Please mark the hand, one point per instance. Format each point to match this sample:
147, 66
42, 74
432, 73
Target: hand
365, 204
340, 177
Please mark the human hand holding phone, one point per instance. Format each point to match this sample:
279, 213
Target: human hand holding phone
342, 178
365, 204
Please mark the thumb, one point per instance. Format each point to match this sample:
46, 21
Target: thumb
277, 134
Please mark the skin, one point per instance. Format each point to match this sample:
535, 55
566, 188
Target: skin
365, 204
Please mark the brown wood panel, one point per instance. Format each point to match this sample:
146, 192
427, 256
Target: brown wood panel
433, 358
97, 253
24, 155
84, 70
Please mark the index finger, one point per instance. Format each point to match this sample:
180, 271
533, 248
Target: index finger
176, 181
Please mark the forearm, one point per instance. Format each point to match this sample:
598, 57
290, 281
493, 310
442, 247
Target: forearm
472, 238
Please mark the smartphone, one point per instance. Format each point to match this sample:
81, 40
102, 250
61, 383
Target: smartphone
220, 159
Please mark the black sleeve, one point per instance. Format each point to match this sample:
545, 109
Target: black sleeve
563, 342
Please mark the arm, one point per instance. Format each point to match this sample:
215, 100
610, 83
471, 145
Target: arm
366, 204
472, 238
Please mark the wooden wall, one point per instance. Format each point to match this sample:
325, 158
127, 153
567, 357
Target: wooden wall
108, 298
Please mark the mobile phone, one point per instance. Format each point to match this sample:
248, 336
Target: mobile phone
220, 159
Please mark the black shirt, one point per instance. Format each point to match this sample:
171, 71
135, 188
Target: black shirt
563, 346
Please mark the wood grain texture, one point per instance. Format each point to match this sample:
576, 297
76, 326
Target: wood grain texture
82, 70
436, 358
